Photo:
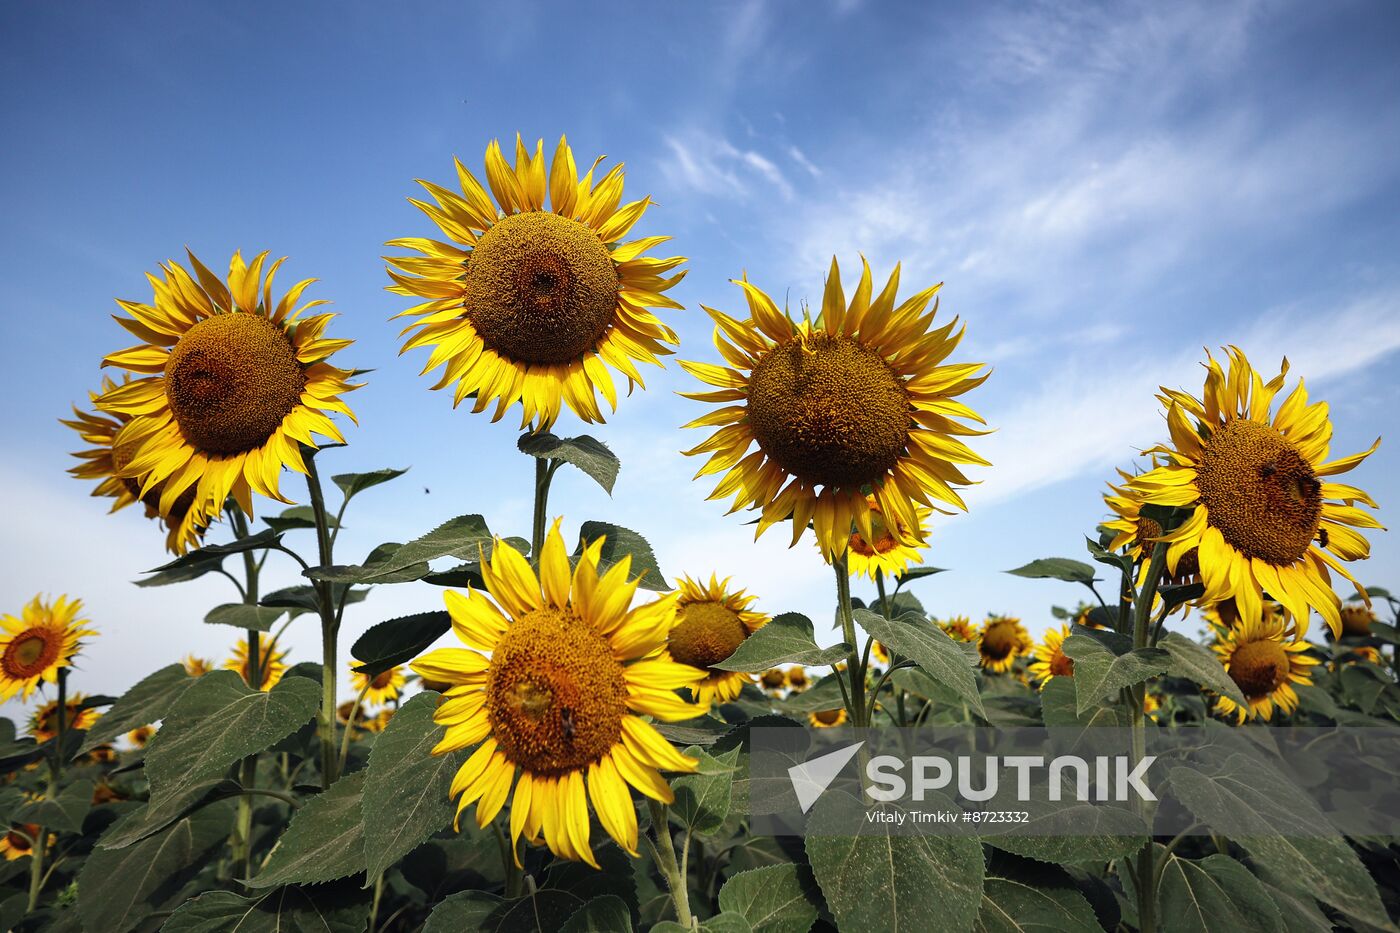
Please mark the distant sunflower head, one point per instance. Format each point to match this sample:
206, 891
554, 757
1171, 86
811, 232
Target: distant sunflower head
1050, 658
557, 674
1264, 657
773, 680
196, 666
959, 628
827, 718
1137, 534
531, 304
712, 621
379, 721
797, 678
857, 404
141, 736
270, 663
36, 645
1264, 516
1002, 640
382, 688
1356, 621
18, 842
43, 722
232, 384
892, 549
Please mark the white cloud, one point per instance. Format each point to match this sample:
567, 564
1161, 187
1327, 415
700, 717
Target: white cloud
706, 162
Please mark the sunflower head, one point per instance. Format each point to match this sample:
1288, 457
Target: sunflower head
827, 718
558, 670
1050, 658
1002, 640
712, 621
1138, 534
43, 722
196, 666
959, 628
1264, 515
36, 645
773, 680
230, 384
270, 663
797, 678
1356, 621
18, 842
532, 304
382, 688
892, 549
1264, 657
854, 405
141, 736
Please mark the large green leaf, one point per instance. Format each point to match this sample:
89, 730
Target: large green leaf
774, 899
587, 453
620, 542
336, 908
406, 786
1056, 568
297, 518
463, 537
398, 641
119, 888
303, 598
64, 813
1099, 674
351, 484
931, 648
605, 914
880, 881
325, 841
465, 910
1200, 665
220, 720
153, 817
544, 911
1012, 906
703, 798
1059, 707
150, 700
786, 639
1214, 893
242, 615
200, 558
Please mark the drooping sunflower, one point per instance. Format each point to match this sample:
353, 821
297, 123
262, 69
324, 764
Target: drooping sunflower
233, 384
270, 663
1050, 658
529, 304
43, 722
827, 718
959, 628
855, 404
1356, 621
18, 842
1137, 534
711, 622
1264, 657
106, 460
1002, 640
36, 645
553, 684
141, 736
196, 666
1264, 518
891, 551
382, 688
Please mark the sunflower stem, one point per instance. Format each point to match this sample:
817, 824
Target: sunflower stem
1147, 875
514, 875
36, 859
350, 722
544, 475
665, 850
248, 769
856, 702
329, 628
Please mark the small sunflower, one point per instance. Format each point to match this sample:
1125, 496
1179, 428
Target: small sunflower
553, 684
711, 622
773, 680
270, 665
19, 841
827, 718
197, 666
379, 721
1358, 654
1356, 621
1264, 657
1137, 534
1002, 640
234, 383
1150, 704
382, 688
1263, 517
853, 405
34, 646
797, 678
141, 736
1050, 658
43, 722
532, 305
959, 628
891, 551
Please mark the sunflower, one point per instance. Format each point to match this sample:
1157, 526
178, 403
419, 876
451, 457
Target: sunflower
1150, 704
959, 628
827, 718
105, 460
532, 305
1356, 621
711, 623
378, 722
35, 646
891, 551
1137, 534
141, 736
270, 665
560, 696
43, 722
19, 841
1263, 518
233, 385
197, 666
773, 680
1050, 658
1002, 640
1264, 657
797, 678
382, 688
853, 405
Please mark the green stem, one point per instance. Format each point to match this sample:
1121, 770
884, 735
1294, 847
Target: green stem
1147, 875
41, 840
288, 799
374, 905
544, 475
665, 852
514, 875
855, 705
350, 722
248, 769
329, 628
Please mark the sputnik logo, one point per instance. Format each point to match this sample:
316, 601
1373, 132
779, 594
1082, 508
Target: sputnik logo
811, 778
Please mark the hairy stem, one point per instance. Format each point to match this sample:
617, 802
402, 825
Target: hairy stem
1142, 615
665, 851
544, 475
329, 627
855, 669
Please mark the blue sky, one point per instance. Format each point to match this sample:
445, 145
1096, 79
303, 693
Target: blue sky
1105, 191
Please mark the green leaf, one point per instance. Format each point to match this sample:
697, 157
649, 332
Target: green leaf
466, 910
1056, 568
1200, 665
150, 700
614, 875
879, 881
587, 453
297, 518
1214, 893
620, 542
242, 615
727, 922
181, 572
352, 484
398, 641
406, 796
1107, 843
464, 537
932, 649
325, 841
153, 817
303, 598
201, 556
1099, 674
702, 799
544, 911
221, 720
1123, 562
321, 909
917, 573
64, 813
1377, 592
14, 747
606, 914
786, 639
1059, 707
463, 575
775, 899
119, 888
1010, 906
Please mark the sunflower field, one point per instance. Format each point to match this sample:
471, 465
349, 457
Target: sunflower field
564, 744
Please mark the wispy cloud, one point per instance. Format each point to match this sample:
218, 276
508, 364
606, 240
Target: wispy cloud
708, 163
